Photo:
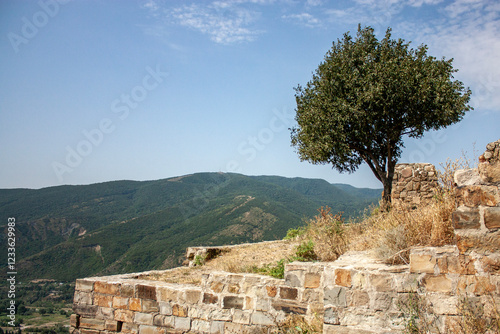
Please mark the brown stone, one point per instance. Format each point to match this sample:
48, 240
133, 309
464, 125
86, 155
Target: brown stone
111, 325
359, 298
474, 196
91, 323
193, 296
124, 315
438, 283
490, 172
179, 310
85, 310
492, 217
127, 290
407, 172
146, 292
134, 304
89, 331
288, 293
107, 288
103, 300
464, 218
343, 277
149, 305
271, 291
209, 298
166, 294
312, 280
120, 303
289, 307
217, 287
232, 302
382, 283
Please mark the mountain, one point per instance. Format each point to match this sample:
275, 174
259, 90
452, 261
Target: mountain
67, 232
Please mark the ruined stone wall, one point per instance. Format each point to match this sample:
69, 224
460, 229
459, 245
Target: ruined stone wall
414, 183
355, 294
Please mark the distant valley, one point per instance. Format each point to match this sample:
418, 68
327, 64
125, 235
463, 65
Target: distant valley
66, 232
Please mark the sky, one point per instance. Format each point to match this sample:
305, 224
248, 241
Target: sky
95, 91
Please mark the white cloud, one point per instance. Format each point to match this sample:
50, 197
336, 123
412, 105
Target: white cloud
305, 19
224, 21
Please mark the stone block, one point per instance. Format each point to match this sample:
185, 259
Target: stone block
107, 288
422, 263
134, 304
89, 331
474, 196
233, 288
478, 285
124, 315
130, 328
272, 291
467, 177
167, 294
106, 313
81, 297
74, 320
442, 304
336, 296
229, 302
200, 326
91, 323
217, 287
466, 218
84, 285
438, 283
193, 296
179, 310
359, 298
143, 318
312, 280
289, 307
217, 327
120, 303
381, 282
263, 319
149, 306
165, 308
146, 291
489, 172
103, 300
288, 293
381, 301
492, 218
85, 310
331, 316
343, 277
242, 317
293, 279
209, 298
182, 323
127, 290
147, 329
111, 325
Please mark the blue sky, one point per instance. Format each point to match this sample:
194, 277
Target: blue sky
93, 91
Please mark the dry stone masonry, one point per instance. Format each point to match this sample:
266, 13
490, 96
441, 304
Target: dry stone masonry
355, 294
414, 184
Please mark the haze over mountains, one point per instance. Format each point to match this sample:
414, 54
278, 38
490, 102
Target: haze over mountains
67, 232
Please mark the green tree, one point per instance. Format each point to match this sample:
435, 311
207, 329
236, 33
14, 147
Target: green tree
366, 96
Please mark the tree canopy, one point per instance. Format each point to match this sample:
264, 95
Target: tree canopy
366, 96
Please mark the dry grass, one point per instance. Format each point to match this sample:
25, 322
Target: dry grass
391, 234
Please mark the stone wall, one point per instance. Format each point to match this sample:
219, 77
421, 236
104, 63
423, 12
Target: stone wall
414, 183
355, 294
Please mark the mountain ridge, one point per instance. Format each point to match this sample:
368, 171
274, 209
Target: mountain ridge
66, 232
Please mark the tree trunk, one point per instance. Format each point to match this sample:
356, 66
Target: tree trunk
387, 196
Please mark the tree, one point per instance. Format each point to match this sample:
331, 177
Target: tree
366, 96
